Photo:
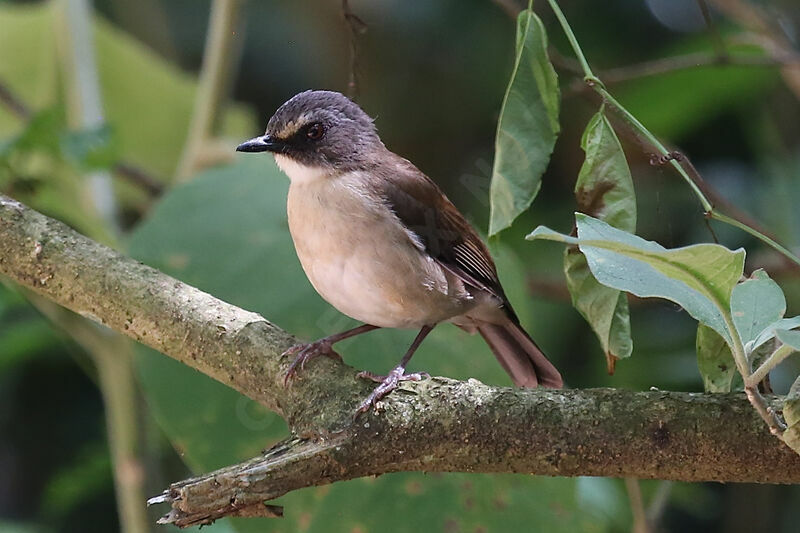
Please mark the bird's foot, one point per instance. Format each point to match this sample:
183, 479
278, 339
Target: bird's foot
306, 352
387, 385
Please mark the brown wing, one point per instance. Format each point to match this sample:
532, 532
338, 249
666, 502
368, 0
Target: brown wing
441, 229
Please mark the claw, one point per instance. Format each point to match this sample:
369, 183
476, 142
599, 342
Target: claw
387, 385
306, 352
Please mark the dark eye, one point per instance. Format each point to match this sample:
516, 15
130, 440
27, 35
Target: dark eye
315, 131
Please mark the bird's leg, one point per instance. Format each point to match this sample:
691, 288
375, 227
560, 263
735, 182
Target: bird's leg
323, 346
390, 382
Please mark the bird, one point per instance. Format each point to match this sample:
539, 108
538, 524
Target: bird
380, 242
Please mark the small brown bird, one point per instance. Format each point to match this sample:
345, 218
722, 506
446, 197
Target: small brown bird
381, 243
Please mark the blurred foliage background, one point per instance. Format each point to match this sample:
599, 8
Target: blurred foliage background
433, 75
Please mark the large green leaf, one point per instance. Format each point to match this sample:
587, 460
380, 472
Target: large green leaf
755, 304
147, 101
604, 189
699, 278
714, 360
225, 232
528, 126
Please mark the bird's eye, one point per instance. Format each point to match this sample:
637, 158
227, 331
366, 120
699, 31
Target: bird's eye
315, 131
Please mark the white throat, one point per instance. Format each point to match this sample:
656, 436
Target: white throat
299, 173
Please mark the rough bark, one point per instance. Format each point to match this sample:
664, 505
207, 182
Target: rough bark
433, 425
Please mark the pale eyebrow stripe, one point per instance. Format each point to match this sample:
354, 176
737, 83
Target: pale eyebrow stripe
292, 127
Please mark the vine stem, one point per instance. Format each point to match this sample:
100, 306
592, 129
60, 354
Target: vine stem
597, 85
756, 399
772, 361
737, 348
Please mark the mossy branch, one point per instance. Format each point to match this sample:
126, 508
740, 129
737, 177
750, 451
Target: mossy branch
434, 425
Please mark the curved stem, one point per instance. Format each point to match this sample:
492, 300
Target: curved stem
716, 215
759, 403
573, 41
214, 75
644, 132
597, 85
772, 361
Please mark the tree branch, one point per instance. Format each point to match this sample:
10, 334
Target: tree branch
433, 425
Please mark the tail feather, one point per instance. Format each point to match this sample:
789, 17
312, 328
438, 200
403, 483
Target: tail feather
519, 355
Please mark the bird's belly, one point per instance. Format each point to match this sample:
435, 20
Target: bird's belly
364, 264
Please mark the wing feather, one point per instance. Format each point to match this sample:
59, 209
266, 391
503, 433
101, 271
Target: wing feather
436, 223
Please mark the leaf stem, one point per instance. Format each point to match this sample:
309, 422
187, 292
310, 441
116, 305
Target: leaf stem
597, 85
759, 403
772, 361
633, 121
716, 215
573, 41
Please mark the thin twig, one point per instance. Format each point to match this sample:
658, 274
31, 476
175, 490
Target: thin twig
714, 196
716, 37
663, 65
138, 177
774, 359
597, 85
667, 65
753, 17
565, 63
112, 355
9, 100
658, 503
355, 27
640, 524
213, 83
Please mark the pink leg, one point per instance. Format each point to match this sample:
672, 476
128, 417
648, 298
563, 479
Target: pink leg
390, 382
324, 346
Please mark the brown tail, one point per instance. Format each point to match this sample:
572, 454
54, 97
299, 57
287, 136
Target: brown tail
519, 355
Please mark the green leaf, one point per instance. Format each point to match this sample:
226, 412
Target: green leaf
90, 149
605, 309
755, 304
225, 232
789, 338
528, 126
40, 133
699, 278
604, 189
543, 233
769, 332
714, 360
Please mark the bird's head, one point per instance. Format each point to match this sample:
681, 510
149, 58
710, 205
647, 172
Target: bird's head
319, 130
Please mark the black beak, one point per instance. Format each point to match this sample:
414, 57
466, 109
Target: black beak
265, 143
